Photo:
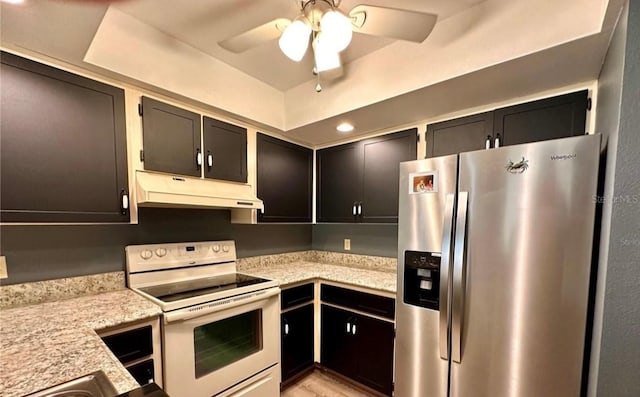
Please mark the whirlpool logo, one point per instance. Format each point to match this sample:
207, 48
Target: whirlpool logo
564, 156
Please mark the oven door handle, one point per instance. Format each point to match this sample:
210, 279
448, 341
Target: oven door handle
216, 306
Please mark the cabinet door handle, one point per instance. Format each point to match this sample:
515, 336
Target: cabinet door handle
360, 208
497, 141
348, 327
487, 143
354, 329
354, 209
124, 202
198, 159
286, 329
209, 159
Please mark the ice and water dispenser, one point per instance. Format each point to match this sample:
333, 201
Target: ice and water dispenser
422, 279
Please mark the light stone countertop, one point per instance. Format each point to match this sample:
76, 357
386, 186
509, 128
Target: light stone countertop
295, 272
50, 343
42, 345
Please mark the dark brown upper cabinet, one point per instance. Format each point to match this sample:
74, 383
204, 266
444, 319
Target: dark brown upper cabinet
381, 171
172, 143
63, 146
551, 118
558, 117
463, 134
358, 182
225, 151
171, 138
339, 182
285, 174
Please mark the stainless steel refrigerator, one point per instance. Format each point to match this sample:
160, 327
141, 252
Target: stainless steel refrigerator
494, 262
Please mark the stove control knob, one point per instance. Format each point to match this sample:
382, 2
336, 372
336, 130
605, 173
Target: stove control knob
161, 252
216, 248
146, 254
225, 248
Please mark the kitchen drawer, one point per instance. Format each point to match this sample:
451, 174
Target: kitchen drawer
143, 372
131, 345
297, 295
362, 301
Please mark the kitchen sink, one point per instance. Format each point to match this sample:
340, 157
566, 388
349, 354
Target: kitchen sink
93, 385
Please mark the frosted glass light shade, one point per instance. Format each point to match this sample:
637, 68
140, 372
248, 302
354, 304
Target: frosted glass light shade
326, 58
337, 30
295, 40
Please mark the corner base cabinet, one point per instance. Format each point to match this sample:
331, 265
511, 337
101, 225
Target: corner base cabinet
297, 341
137, 347
297, 331
355, 344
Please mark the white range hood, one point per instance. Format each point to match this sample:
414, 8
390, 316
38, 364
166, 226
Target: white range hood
162, 190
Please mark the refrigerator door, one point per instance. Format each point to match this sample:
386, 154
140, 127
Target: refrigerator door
427, 189
520, 291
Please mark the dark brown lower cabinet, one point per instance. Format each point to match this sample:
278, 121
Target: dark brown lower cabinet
359, 347
297, 341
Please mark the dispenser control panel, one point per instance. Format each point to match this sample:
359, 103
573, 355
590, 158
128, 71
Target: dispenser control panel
422, 279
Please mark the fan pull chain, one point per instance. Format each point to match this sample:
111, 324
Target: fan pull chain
318, 86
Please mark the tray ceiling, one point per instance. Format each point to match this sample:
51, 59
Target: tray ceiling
384, 82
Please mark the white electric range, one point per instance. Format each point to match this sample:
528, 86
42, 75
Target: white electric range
220, 328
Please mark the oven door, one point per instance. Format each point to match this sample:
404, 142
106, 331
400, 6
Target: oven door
213, 347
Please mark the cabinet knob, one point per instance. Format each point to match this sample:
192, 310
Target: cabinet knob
354, 209
209, 159
360, 208
348, 327
497, 141
487, 143
286, 329
353, 329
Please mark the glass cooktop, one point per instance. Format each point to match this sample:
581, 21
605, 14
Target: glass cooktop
188, 289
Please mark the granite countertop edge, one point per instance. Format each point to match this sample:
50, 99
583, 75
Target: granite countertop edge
46, 344
301, 271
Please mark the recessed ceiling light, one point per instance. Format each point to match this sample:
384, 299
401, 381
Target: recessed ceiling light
344, 127
13, 1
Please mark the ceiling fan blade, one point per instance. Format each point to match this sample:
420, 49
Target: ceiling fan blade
391, 22
256, 36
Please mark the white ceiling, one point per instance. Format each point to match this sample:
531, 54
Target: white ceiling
480, 52
203, 23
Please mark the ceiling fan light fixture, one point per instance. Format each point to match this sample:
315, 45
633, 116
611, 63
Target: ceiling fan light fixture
325, 57
337, 30
294, 41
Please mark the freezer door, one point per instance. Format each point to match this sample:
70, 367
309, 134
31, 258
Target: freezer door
520, 289
427, 189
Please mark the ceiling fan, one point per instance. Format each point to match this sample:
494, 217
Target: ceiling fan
330, 30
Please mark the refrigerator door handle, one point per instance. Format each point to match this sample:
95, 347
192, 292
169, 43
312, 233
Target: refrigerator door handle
457, 304
445, 263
